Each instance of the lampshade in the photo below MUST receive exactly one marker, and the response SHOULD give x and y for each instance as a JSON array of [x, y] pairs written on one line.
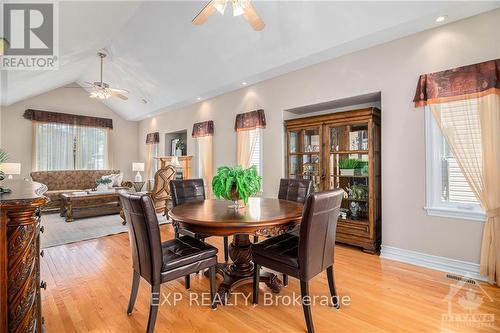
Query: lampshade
[[137, 166], [11, 168]]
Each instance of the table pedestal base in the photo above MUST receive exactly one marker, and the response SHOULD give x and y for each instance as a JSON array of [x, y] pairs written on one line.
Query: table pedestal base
[[240, 272]]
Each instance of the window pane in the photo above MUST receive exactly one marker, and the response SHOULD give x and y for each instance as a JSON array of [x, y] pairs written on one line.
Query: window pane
[[54, 144], [91, 148], [256, 155]]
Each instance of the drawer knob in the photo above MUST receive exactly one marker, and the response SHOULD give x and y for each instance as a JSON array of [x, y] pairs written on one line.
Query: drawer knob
[[42, 253], [43, 285], [42, 229]]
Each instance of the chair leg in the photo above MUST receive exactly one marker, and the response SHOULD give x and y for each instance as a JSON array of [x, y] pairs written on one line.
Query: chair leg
[[226, 249], [333, 290], [255, 239], [153, 308], [136, 278], [285, 280], [256, 281], [213, 287], [187, 281], [306, 306]]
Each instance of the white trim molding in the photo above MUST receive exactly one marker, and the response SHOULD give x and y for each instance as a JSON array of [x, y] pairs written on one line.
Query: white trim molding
[[459, 267]]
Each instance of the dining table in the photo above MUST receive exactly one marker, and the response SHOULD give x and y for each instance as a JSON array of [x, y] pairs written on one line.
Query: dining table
[[259, 217]]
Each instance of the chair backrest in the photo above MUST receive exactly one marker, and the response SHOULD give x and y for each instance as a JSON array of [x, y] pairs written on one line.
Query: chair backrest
[[294, 189], [161, 189], [186, 190], [318, 231], [144, 235]]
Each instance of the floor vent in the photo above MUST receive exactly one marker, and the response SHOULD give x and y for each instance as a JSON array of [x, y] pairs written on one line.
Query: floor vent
[[460, 278]]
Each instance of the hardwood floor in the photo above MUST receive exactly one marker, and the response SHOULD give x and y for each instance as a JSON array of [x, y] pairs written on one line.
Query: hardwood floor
[[88, 285]]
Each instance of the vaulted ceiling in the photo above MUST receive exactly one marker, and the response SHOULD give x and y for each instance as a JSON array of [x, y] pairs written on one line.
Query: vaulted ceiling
[[160, 57]]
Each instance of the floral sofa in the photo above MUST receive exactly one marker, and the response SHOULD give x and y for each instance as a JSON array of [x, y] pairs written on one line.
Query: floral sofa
[[64, 181]]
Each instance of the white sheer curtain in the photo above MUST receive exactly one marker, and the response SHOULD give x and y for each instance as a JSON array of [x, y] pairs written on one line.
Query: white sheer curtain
[[206, 171], [465, 102], [58, 146], [54, 146], [91, 151], [246, 145]]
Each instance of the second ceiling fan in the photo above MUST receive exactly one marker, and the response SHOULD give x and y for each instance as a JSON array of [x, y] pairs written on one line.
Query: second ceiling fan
[[240, 7]]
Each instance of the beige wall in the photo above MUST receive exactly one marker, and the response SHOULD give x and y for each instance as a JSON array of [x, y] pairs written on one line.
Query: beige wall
[[393, 69], [16, 131]]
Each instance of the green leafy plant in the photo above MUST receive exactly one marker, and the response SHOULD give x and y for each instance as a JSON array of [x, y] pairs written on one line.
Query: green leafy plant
[[3, 158], [103, 181], [348, 163], [230, 183], [179, 145]]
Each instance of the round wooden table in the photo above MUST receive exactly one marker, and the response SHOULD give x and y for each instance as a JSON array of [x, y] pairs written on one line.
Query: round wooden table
[[261, 216]]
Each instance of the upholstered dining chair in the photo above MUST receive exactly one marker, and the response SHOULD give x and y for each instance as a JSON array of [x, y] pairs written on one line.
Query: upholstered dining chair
[[158, 262], [292, 190], [306, 255], [161, 190], [191, 190]]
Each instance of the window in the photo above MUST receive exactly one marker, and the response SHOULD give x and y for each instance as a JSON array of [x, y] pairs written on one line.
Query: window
[[256, 152], [448, 193], [66, 147]]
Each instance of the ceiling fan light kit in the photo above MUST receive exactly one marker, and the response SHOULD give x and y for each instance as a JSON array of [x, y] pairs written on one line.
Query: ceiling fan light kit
[[240, 7]]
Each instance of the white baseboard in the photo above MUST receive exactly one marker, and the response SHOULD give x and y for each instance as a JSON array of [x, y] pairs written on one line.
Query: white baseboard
[[462, 268]]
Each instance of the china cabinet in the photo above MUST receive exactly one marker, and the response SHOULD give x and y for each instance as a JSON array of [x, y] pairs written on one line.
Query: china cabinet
[[342, 150]]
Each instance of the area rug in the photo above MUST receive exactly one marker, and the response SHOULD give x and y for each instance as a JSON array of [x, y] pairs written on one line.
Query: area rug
[[59, 232]]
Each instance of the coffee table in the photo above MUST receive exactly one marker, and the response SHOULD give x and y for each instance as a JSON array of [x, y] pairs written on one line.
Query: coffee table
[[93, 203]]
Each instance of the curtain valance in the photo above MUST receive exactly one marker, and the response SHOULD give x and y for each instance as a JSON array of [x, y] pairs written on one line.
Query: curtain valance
[[250, 120], [153, 138], [460, 83], [66, 118], [204, 128]]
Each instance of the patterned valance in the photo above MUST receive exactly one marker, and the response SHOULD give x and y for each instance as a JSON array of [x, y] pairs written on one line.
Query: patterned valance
[[205, 128], [66, 118], [152, 138], [460, 83], [250, 120]]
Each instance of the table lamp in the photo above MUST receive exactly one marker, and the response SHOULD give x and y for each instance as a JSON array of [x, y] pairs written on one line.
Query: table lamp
[[136, 166], [11, 169]]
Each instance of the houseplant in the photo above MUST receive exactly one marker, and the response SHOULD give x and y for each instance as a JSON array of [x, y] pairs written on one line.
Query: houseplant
[[236, 183], [350, 167], [3, 158], [102, 183]]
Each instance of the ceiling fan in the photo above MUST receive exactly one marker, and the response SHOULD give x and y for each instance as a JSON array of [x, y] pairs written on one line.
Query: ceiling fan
[[101, 89], [240, 7]]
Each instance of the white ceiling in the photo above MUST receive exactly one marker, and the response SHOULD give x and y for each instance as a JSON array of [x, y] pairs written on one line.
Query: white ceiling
[[158, 55]]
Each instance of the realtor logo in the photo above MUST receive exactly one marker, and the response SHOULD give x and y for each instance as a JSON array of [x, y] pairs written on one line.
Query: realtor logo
[[31, 30]]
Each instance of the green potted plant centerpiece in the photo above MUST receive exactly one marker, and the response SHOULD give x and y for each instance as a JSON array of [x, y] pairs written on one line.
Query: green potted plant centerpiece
[[350, 167], [102, 184], [236, 184]]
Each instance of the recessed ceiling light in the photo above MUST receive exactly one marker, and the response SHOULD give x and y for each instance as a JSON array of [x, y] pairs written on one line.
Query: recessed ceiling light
[[199, 98], [442, 18], [243, 83], [148, 115]]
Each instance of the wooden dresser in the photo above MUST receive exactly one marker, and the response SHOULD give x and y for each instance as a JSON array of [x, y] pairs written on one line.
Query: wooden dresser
[[20, 284]]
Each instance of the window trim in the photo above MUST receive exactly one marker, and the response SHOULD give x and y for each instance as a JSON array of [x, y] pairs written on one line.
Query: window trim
[[433, 204]]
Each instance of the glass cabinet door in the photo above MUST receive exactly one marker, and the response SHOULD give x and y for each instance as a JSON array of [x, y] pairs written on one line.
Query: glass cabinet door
[[348, 168], [304, 153]]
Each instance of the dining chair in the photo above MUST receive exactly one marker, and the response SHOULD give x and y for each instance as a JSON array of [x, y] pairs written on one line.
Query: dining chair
[[306, 255], [191, 190], [158, 262], [161, 189], [292, 190]]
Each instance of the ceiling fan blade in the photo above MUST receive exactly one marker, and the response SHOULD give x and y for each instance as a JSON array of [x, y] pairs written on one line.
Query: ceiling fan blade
[[253, 18], [119, 91], [203, 15], [119, 95]]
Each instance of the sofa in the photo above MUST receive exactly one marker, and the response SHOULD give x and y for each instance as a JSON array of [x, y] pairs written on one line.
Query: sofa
[[64, 181]]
